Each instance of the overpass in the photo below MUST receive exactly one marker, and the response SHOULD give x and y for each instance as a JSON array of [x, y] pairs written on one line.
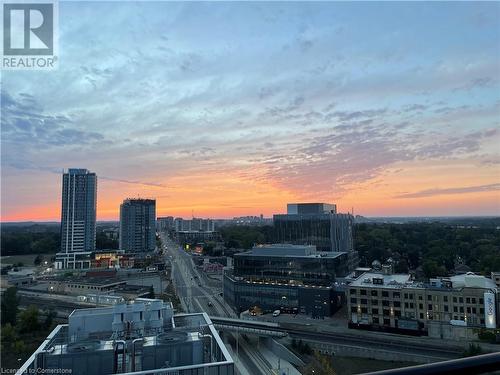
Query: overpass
[[266, 329]]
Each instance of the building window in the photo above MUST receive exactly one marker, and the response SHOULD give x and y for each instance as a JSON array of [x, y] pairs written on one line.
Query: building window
[[396, 295], [461, 299], [376, 320], [429, 307], [354, 300], [406, 305], [375, 311], [446, 308], [473, 300], [385, 293], [362, 292], [387, 322], [420, 298], [364, 310], [364, 301], [481, 301], [353, 291], [445, 298], [385, 303], [455, 299], [429, 297], [467, 300], [374, 293], [374, 302], [421, 315], [397, 304], [411, 295], [406, 295], [421, 306], [455, 309]]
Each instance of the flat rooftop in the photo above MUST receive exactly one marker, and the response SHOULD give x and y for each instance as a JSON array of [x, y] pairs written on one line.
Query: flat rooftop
[[398, 281], [166, 343], [292, 251], [393, 281]]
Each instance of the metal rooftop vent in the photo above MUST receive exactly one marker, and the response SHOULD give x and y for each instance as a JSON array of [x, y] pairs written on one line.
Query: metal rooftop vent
[[83, 346], [173, 336]]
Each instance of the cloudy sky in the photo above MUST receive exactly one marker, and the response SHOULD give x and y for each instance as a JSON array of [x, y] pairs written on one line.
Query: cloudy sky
[[225, 109]]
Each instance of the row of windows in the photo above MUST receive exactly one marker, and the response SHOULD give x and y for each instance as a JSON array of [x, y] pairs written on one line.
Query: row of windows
[[410, 305], [384, 293]]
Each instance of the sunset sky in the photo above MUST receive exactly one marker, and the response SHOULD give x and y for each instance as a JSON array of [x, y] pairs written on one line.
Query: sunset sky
[[229, 109]]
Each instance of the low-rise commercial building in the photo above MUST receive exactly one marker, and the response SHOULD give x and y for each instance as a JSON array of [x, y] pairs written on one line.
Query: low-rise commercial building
[[83, 285], [396, 303], [291, 278], [127, 338]]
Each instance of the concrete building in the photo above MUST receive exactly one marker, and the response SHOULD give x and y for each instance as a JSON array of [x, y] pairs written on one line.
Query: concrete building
[[138, 225], [291, 278], [194, 225], [142, 335], [395, 303], [317, 224], [165, 223], [78, 219]]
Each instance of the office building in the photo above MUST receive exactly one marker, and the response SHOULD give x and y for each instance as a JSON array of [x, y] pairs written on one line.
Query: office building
[[292, 278], [78, 219], [317, 224], [125, 338], [396, 303], [138, 225]]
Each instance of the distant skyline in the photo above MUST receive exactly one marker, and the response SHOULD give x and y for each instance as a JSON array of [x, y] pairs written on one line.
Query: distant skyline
[[232, 109]]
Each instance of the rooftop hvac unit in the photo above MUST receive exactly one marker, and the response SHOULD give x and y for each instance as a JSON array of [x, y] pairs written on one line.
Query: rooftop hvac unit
[[172, 337], [83, 346]]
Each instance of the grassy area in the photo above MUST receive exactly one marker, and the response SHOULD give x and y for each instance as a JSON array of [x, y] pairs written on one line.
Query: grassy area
[[27, 260], [352, 365]]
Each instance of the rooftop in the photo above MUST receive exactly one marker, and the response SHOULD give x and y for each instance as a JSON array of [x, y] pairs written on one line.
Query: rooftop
[[292, 251], [388, 281], [398, 281], [142, 335]]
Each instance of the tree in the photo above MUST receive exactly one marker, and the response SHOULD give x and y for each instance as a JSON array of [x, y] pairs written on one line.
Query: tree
[[9, 335], [9, 306], [28, 320], [38, 260], [49, 319]]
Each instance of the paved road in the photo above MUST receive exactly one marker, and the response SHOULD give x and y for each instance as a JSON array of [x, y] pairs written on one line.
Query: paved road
[[197, 296], [191, 285]]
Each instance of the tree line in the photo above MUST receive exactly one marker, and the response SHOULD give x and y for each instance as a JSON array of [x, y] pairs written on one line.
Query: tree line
[[45, 241], [434, 248]]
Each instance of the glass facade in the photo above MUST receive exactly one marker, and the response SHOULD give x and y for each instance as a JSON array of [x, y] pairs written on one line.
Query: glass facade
[[291, 278], [307, 270]]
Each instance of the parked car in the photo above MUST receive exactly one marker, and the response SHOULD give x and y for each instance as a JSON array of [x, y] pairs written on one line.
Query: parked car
[[276, 313]]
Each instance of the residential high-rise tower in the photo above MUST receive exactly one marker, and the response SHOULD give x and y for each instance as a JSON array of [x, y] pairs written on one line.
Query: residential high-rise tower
[[138, 225], [78, 218]]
